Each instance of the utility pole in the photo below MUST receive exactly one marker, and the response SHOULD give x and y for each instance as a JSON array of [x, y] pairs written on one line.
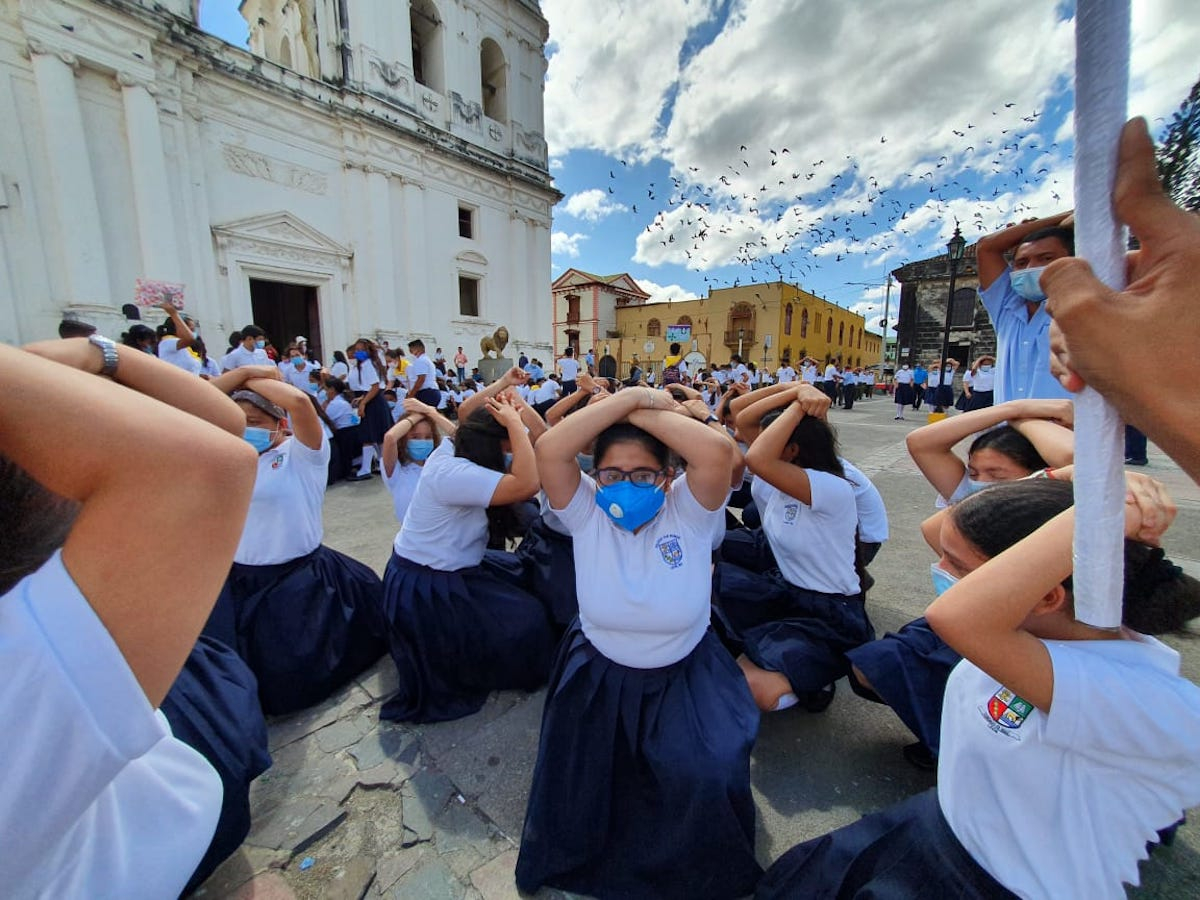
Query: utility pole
[[887, 300]]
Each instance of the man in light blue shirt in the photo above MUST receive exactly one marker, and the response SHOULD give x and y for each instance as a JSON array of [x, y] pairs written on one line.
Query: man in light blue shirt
[[1016, 304]]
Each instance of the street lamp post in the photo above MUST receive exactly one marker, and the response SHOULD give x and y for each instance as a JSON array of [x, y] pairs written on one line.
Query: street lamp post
[[955, 248], [741, 335]]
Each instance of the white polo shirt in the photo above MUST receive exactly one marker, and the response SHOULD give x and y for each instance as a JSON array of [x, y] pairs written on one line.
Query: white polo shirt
[[239, 356], [402, 484], [98, 798], [643, 598], [418, 366], [340, 412], [1062, 804], [872, 514], [284, 521], [813, 543], [569, 367], [446, 525], [785, 374], [361, 376], [168, 351]]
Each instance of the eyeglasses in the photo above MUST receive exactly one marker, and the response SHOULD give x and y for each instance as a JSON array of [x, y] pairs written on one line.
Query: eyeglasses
[[639, 477]]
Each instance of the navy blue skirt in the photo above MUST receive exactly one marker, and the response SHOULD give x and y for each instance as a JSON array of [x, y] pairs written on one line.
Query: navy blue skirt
[[904, 852], [780, 627], [642, 782], [908, 671], [305, 627], [548, 559], [748, 548], [374, 420], [981, 400], [213, 708], [904, 395], [457, 636]]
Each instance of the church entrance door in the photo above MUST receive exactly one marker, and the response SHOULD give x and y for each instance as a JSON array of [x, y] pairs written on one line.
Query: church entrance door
[[287, 311]]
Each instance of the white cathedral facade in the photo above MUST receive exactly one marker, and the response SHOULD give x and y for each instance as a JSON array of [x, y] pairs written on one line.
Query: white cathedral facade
[[371, 167]]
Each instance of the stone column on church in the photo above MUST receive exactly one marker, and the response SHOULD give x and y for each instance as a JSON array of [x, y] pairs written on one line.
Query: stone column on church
[[82, 265], [383, 271], [416, 263], [151, 192]]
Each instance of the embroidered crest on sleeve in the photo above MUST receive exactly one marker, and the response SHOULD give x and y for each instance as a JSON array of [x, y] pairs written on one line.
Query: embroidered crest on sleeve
[[671, 550], [789, 513], [1008, 710]]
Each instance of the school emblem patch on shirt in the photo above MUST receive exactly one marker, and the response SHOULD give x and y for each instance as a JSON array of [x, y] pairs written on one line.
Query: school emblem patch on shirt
[[671, 549], [1007, 709], [789, 513], [277, 461]]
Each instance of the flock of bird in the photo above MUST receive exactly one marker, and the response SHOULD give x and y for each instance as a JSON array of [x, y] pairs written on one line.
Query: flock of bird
[[787, 215]]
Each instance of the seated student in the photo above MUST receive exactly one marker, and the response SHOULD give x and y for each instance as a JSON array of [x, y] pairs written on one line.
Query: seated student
[[99, 796], [795, 624], [908, 669], [305, 618], [642, 782], [1065, 747], [406, 447], [461, 625]]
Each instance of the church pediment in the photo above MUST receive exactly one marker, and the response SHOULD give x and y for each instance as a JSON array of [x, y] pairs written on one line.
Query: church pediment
[[281, 229]]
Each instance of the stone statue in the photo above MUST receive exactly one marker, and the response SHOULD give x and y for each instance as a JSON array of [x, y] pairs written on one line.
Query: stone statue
[[497, 342]]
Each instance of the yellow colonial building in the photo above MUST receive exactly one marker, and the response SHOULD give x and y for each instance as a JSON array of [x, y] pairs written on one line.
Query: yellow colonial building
[[764, 323]]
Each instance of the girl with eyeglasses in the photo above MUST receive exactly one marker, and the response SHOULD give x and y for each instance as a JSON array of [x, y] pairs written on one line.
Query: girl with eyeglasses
[[642, 783]]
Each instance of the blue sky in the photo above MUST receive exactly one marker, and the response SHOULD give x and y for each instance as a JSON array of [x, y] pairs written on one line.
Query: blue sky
[[702, 143]]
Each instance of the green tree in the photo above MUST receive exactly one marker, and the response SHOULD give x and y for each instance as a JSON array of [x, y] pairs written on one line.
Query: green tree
[[1179, 153]]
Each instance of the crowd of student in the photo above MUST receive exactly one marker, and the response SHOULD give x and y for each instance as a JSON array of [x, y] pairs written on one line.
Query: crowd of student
[[689, 559]]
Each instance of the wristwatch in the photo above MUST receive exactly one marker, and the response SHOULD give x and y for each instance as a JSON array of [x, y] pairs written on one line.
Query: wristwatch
[[108, 350], [597, 389], [711, 419]]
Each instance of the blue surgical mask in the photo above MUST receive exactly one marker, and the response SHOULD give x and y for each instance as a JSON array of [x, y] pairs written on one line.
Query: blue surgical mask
[[258, 438], [507, 462], [1025, 283], [974, 487], [322, 395], [985, 369], [628, 505], [586, 461], [196, 335], [420, 448], [311, 388], [391, 405], [942, 580], [362, 355], [298, 362], [260, 344]]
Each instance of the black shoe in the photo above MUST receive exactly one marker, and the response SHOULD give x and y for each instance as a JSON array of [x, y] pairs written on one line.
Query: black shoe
[[1130, 461], [921, 757], [819, 700]]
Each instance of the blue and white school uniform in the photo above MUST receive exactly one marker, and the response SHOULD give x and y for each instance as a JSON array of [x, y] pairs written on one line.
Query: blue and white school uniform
[[802, 618], [375, 417], [168, 351], [642, 783], [305, 618], [213, 708], [99, 797], [460, 623], [1058, 804], [239, 356], [983, 388]]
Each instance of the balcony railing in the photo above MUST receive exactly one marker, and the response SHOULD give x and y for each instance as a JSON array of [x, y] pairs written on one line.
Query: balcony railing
[[731, 337]]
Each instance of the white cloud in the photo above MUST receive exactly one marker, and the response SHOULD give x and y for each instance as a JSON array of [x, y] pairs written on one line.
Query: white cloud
[[563, 244], [591, 205], [662, 293], [1162, 57], [611, 69]]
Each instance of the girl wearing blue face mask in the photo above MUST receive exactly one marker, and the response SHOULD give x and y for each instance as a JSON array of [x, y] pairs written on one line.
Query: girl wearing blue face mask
[[461, 623], [983, 384], [406, 447], [365, 380], [1067, 750], [305, 618], [642, 783]]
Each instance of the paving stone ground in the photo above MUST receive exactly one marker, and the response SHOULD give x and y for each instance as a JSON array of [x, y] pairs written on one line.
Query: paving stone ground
[[354, 807]]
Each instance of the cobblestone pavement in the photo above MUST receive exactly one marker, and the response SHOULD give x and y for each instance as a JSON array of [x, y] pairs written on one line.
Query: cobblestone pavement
[[353, 807]]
